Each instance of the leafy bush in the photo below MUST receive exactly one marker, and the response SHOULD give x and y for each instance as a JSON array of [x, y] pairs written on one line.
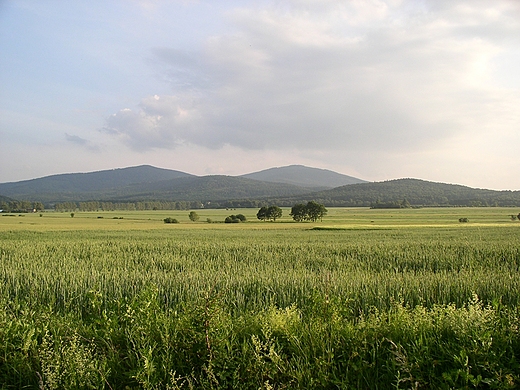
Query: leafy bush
[[232, 219], [170, 220]]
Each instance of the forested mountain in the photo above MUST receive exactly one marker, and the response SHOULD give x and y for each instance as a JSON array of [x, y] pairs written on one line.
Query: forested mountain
[[150, 183], [72, 185], [187, 188], [203, 188], [146, 183], [5, 199], [304, 177], [416, 193]]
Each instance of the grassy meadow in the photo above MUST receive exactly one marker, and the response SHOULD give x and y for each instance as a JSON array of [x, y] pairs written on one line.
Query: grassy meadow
[[370, 299]]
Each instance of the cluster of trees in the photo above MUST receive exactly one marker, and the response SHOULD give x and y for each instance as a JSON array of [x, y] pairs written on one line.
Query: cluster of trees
[[269, 213], [235, 218], [20, 206], [312, 211]]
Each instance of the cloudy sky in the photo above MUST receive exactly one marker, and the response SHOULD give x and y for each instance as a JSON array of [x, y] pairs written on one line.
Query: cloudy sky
[[376, 89]]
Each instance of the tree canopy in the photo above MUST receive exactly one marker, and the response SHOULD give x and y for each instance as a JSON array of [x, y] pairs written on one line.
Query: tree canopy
[[270, 213], [312, 211]]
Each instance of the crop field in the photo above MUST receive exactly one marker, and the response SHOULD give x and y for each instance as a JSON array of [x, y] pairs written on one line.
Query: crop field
[[369, 299]]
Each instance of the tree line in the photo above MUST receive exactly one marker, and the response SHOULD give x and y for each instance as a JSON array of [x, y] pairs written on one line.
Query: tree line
[[20, 206], [127, 206]]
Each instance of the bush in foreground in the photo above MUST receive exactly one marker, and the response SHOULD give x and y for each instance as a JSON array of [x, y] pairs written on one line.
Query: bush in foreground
[[143, 344]]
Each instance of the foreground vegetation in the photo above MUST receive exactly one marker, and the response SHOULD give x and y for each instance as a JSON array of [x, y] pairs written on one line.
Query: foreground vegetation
[[365, 299]]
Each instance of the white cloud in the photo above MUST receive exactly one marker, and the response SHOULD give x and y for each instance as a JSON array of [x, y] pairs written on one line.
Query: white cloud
[[392, 78], [160, 122]]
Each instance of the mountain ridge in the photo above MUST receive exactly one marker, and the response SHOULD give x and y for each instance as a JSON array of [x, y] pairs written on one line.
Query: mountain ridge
[[304, 176], [148, 183]]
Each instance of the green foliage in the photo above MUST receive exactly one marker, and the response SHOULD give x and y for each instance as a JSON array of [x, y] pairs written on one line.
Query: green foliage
[[271, 213], [235, 218], [170, 220], [417, 193], [19, 206], [262, 213], [298, 212], [404, 204], [312, 211], [194, 217]]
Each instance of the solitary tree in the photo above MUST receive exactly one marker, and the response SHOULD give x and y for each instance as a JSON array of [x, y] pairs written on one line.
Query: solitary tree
[[262, 213], [315, 211], [298, 212], [194, 217], [274, 212]]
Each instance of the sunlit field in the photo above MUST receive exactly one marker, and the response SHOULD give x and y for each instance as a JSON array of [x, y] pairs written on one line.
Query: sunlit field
[[408, 298], [346, 218]]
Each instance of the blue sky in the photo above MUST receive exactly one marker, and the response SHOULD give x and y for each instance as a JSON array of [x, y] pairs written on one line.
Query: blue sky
[[377, 89]]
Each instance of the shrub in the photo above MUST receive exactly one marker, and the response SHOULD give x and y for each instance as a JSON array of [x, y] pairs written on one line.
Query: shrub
[[232, 219], [170, 220], [194, 217]]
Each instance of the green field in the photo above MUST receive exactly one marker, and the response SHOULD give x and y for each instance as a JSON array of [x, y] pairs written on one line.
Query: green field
[[407, 298]]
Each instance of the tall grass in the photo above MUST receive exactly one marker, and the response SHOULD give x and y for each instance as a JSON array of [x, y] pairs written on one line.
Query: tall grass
[[395, 308]]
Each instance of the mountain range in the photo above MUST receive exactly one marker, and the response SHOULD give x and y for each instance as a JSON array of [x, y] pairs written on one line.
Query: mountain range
[[150, 183], [283, 186]]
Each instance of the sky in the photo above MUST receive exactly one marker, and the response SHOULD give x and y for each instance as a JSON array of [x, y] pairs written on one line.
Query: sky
[[375, 89]]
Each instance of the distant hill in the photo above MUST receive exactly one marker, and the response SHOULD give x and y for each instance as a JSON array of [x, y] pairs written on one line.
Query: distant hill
[[204, 188], [5, 199], [303, 176], [147, 183], [417, 193], [144, 183], [80, 186]]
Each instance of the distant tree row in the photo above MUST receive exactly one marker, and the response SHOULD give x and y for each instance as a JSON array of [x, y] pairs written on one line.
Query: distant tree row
[[21, 206], [404, 204], [128, 206]]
